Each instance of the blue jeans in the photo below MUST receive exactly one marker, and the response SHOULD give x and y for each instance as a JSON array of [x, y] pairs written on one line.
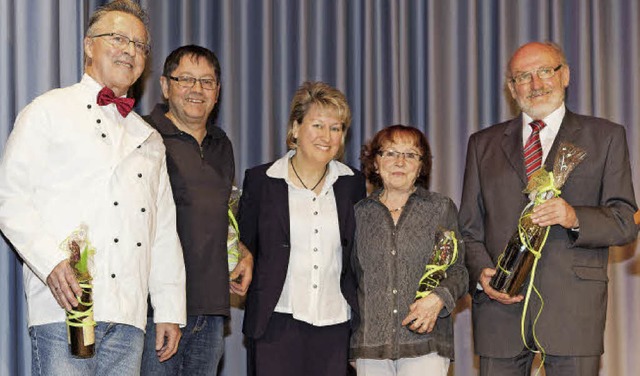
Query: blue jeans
[[199, 351], [118, 351]]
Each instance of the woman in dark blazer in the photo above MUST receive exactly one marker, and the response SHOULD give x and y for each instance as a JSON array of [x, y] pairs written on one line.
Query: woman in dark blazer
[[296, 217]]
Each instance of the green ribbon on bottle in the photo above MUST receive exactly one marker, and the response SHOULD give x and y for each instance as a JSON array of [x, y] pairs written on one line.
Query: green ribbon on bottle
[[85, 318], [431, 269], [545, 185]]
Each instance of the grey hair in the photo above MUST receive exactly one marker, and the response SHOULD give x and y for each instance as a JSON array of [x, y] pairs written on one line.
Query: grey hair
[[125, 6]]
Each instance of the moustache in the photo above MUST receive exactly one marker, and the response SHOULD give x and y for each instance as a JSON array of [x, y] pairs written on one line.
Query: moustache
[[537, 93]]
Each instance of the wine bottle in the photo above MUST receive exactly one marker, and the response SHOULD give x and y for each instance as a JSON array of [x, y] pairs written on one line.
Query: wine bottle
[[445, 253], [516, 260], [80, 328]]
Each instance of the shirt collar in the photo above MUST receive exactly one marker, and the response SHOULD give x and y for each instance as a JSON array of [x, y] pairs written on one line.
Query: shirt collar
[[92, 85], [552, 121], [420, 192], [280, 169], [167, 128]]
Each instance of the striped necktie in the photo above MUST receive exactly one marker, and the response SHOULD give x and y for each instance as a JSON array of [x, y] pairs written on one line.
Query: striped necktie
[[533, 148]]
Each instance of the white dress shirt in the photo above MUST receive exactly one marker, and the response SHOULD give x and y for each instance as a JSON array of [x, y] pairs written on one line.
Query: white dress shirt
[[311, 291], [547, 134], [69, 161]]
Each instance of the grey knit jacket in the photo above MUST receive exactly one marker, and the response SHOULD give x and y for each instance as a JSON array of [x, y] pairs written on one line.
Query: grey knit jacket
[[389, 261]]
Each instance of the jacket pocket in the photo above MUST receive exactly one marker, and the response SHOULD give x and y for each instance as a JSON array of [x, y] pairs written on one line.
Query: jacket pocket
[[479, 297], [591, 273]]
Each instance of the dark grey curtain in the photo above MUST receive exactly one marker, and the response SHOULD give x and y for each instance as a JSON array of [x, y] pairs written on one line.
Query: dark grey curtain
[[434, 64]]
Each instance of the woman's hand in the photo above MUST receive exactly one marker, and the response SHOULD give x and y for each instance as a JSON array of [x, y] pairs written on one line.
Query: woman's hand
[[423, 314]]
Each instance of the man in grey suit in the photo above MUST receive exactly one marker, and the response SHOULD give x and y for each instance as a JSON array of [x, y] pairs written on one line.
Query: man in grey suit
[[594, 211]]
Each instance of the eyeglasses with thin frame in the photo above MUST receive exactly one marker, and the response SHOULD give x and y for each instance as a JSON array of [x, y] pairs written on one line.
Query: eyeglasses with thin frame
[[120, 41], [542, 73], [392, 154], [188, 82]]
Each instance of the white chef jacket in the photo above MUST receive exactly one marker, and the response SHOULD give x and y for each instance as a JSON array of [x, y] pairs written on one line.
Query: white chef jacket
[[68, 162]]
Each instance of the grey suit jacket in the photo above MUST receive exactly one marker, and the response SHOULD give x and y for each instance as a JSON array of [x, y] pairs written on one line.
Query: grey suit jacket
[[572, 272]]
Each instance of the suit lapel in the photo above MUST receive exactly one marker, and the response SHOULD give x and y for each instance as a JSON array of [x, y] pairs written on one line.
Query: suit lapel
[[512, 147], [512, 143], [569, 130], [342, 204], [280, 197]]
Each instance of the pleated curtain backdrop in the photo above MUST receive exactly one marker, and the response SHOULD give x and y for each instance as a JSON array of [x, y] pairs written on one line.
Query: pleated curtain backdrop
[[435, 64]]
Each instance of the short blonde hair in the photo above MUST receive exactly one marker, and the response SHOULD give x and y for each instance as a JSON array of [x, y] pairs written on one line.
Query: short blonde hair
[[324, 96]]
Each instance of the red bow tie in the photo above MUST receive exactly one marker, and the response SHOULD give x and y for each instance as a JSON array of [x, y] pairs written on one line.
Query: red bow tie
[[124, 105]]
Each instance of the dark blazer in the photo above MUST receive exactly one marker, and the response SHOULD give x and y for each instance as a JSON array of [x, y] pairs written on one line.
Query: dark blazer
[[572, 272], [264, 224]]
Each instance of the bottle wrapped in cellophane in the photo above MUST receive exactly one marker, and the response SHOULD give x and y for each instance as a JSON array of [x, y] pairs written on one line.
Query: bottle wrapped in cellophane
[[445, 253], [80, 323], [525, 245], [233, 235]]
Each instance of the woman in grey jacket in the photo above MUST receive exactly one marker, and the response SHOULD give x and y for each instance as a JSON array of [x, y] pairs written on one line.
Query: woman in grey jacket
[[395, 231]]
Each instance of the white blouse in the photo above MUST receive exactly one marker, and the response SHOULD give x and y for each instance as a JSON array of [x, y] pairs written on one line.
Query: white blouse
[[311, 291]]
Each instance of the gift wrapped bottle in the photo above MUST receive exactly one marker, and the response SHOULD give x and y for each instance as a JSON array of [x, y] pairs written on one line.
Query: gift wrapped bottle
[[517, 259], [445, 253], [80, 324], [233, 234], [80, 328]]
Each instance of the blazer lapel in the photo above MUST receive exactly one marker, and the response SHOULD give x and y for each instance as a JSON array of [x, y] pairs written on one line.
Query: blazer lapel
[[280, 197], [342, 205], [512, 147], [569, 130]]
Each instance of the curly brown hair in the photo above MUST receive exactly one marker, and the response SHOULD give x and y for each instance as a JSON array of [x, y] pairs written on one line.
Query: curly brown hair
[[389, 135]]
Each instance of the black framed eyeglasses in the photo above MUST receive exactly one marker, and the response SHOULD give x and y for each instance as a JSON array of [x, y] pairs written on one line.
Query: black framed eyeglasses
[[121, 41], [188, 82]]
